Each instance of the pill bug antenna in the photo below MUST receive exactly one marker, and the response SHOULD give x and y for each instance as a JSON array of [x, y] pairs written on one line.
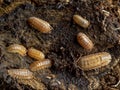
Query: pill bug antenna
[[75, 62], [51, 28], [115, 62]]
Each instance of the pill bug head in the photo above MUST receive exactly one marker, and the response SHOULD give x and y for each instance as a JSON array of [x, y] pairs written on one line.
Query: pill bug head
[[106, 58]]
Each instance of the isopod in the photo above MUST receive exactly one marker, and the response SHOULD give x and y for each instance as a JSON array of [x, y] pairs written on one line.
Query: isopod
[[40, 24], [10, 7], [36, 54], [81, 21], [94, 61], [20, 73], [84, 41], [16, 48], [39, 65]]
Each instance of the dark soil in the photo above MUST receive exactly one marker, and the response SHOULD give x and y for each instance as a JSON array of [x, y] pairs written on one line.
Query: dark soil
[[61, 45]]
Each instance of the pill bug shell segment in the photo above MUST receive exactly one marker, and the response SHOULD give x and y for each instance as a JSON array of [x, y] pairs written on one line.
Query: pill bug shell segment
[[20, 73], [81, 21], [84, 41], [36, 54], [16, 48], [40, 24], [94, 61], [39, 65]]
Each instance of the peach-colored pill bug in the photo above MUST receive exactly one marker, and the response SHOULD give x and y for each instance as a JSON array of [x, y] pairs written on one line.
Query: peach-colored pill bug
[[16, 48], [40, 24], [39, 65], [20, 73], [94, 61], [36, 54], [84, 41], [81, 21]]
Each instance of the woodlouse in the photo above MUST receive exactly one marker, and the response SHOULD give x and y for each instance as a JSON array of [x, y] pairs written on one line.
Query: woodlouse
[[16, 48], [40, 24], [10, 7], [36, 54], [84, 41], [81, 21], [38, 65], [20, 73], [94, 61]]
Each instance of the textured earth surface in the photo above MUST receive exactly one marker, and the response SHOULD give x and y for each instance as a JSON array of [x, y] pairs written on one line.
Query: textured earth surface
[[60, 45]]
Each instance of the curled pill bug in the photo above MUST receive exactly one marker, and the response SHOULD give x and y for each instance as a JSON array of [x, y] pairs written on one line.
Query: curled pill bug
[[81, 21], [84, 41], [36, 54], [39, 65], [20, 73], [16, 48], [94, 61], [40, 24]]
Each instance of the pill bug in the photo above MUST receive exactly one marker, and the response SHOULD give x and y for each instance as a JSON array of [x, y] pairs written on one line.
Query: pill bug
[[84, 41], [40, 24], [94, 61], [81, 21], [20, 73], [16, 48], [36, 54], [10, 7], [39, 65]]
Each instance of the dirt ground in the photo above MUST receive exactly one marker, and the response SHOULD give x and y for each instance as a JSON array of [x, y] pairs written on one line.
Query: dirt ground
[[60, 45]]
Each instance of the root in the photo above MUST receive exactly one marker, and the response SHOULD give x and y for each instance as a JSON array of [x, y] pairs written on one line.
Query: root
[[106, 14], [116, 85], [103, 23], [115, 29]]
